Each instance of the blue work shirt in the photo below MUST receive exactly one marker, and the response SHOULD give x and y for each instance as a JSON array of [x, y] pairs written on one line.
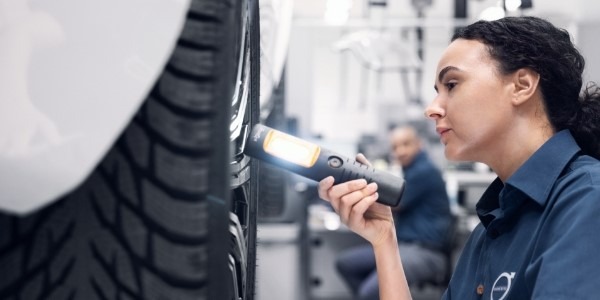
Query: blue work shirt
[[424, 214], [539, 235]]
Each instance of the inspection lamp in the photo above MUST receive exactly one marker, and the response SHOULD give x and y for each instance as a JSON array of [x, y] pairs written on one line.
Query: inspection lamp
[[316, 163]]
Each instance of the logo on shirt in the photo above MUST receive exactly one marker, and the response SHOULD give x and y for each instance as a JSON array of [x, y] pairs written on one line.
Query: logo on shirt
[[502, 286]]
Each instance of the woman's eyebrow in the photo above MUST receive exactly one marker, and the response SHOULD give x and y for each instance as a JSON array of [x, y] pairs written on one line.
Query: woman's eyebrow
[[443, 73], [446, 70]]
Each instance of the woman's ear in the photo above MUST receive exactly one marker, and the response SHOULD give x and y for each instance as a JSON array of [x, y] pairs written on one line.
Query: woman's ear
[[526, 82]]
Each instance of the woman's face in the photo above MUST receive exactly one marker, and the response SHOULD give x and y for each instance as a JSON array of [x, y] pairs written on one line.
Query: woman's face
[[472, 109]]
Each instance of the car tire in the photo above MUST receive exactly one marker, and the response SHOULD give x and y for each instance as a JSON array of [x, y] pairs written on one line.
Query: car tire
[[170, 211]]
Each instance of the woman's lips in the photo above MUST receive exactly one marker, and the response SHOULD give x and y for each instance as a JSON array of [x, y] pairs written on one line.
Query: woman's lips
[[443, 132]]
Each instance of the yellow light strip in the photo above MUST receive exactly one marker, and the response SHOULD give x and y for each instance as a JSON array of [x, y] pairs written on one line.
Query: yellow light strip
[[291, 149]]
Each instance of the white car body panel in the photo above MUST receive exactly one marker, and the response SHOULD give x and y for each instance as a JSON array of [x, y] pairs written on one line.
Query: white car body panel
[[275, 27], [72, 75]]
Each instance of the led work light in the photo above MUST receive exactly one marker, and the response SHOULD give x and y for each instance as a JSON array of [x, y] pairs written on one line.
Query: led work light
[[316, 163]]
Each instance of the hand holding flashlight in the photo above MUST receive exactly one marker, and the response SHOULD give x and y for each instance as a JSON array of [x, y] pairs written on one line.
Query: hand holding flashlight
[[353, 192], [317, 163], [354, 201]]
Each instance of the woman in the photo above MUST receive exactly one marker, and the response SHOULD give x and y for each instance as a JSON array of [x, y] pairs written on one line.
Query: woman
[[508, 96]]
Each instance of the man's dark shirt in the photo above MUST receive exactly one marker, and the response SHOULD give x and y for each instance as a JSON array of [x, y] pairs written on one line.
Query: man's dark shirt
[[424, 215]]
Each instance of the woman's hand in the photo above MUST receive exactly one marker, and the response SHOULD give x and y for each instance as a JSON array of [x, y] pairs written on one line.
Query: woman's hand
[[354, 202]]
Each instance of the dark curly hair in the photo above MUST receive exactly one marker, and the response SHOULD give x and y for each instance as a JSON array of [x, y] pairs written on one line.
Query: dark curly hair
[[531, 42]]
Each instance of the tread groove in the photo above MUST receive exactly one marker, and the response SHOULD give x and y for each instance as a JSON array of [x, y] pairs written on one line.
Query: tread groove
[[177, 195], [157, 96], [189, 135], [110, 269], [196, 96], [25, 238], [53, 251], [185, 75], [148, 222], [121, 287], [195, 45], [205, 18], [50, 286], [99, 291]]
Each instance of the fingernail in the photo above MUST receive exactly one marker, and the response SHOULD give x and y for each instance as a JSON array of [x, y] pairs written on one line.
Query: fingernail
[[373, 185]]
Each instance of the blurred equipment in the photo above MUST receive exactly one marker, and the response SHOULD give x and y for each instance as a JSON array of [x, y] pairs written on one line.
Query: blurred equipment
[[326, 238], [381, 49]]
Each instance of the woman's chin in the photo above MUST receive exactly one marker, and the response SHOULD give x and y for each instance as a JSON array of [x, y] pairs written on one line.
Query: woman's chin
[[453, 155]]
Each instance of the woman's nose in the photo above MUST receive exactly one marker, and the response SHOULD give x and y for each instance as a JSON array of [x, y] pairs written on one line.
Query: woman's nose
[[434, 111]]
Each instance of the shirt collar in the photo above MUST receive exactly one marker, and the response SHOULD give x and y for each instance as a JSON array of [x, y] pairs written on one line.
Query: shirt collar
[[534, 179], [537, 175]]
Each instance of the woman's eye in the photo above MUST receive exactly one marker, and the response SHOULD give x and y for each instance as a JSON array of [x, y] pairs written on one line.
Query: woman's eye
[[450, 85]]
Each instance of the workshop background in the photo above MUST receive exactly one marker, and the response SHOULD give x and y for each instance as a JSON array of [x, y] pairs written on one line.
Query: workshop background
[[354, 68]]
